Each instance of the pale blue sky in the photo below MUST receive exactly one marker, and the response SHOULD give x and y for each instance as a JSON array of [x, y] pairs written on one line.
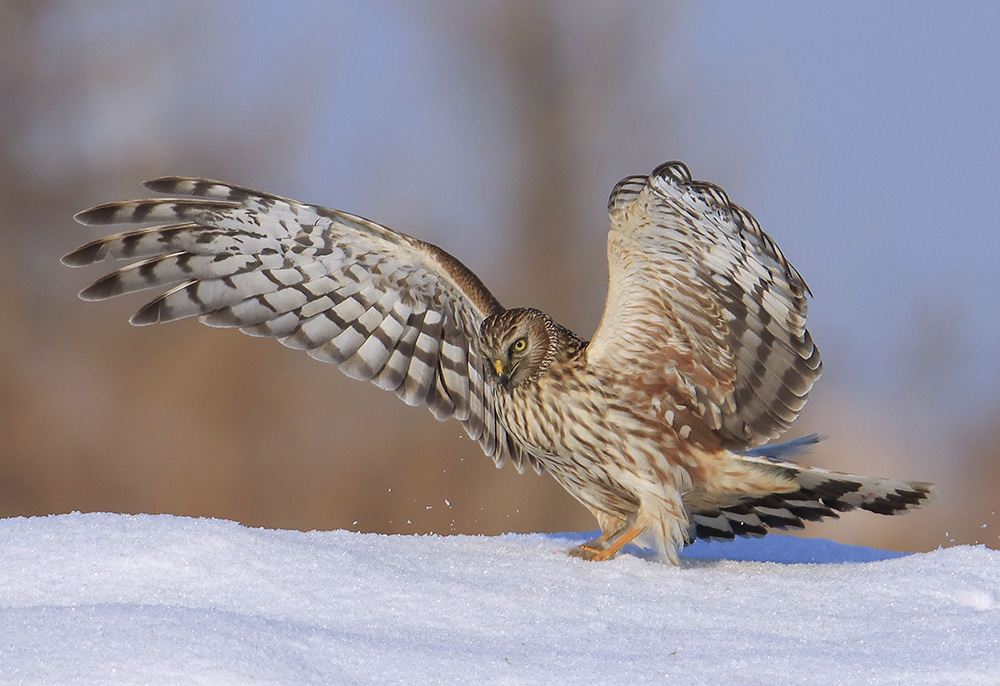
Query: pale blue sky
[[863, 136]]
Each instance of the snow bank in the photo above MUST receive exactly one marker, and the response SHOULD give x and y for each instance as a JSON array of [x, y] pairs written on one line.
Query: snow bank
[[114, 599]]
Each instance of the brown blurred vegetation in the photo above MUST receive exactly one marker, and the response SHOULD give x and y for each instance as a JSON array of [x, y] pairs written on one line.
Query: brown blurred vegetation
[[98, 415]]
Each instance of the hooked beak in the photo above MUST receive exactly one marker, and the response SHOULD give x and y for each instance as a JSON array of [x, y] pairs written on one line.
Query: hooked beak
[[503, 377]]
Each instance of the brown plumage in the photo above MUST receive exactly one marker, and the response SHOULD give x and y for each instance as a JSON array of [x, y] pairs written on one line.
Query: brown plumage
[[658, 425]]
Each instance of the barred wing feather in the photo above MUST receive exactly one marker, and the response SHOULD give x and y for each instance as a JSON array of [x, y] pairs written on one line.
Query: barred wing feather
[[385, 307], [701, 300]]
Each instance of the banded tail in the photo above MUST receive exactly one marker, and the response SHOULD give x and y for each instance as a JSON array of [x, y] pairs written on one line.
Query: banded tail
[[822, 494]]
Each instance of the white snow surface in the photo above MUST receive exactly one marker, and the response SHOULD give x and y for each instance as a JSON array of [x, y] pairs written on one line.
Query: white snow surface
[[157, 599]]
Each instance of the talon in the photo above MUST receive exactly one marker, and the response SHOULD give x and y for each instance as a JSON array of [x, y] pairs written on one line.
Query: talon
[[599, 549], [585, 552]]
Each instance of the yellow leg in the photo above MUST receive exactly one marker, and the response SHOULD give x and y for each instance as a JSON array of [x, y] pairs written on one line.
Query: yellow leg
[[599, 549]]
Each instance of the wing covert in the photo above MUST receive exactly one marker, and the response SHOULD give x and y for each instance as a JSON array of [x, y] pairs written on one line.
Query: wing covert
[[700, 299], [383, 306]]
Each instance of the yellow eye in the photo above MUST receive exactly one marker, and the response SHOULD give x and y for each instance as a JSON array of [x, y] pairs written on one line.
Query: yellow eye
[[519, 345]]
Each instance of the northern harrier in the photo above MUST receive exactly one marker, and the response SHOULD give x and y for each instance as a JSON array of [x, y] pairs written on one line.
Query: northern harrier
[[658, 424]]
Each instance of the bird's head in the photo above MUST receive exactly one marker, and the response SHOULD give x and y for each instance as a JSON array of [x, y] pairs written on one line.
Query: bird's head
[[518, 344]]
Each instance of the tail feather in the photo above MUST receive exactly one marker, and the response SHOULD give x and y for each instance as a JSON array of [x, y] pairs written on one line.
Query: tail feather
[[821, 494]]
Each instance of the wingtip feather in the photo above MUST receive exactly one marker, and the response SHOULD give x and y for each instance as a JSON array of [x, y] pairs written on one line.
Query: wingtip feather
[[149, 314], [98, 215], [81, 257]]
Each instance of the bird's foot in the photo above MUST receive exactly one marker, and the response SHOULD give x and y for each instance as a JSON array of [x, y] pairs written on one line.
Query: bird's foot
[[605, 547], [595, 551]]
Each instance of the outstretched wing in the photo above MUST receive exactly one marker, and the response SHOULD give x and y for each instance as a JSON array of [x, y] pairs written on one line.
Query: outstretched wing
[[383, 306], [701, 301]]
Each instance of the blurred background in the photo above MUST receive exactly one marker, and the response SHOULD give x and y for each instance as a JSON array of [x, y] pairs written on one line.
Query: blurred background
[[864, 137]]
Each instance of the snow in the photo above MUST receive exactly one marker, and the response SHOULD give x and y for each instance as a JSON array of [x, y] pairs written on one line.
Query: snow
[[122, 599]]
